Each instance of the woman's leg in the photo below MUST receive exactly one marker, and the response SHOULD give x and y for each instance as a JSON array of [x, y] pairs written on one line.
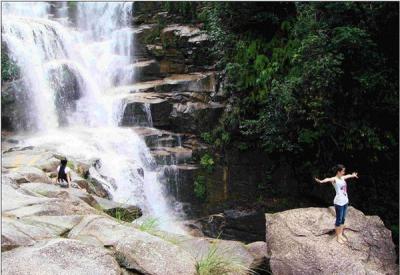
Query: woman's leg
[[339, 216], [344, 238]]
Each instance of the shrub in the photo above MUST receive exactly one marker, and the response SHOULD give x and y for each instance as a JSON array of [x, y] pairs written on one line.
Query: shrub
[[216, 262], [207, 162], [149, 225], [200, 189]]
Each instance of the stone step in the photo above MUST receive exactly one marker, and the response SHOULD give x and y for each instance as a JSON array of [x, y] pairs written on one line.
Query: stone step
[[194, 82], [178, 48], [172, 155], [156, 137], [170, 148], [146, 70], [182, 112], [140, 71]]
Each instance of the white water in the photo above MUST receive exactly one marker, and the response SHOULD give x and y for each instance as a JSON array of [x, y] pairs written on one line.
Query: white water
[[100, 44]]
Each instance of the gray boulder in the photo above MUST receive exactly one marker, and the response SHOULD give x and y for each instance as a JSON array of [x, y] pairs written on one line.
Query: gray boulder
[[59, 256], [17, 204], [302, 241], [134, 249]]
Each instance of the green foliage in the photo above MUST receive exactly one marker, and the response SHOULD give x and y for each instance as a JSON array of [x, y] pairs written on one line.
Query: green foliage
[[154, 35], [292, 91], [72, 4], [122, 215], [319, 86], [9, 68], [207, 137], [242, 146], [216, 261], [200, 189], [71, 165], [186, 9], [149, 225], [207, 162]]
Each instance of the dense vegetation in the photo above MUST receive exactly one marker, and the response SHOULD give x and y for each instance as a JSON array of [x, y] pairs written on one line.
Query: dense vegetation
[[9, 69], [314, 82]]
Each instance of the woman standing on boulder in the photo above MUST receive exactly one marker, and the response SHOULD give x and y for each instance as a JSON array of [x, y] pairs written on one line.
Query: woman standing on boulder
[[341, 200]]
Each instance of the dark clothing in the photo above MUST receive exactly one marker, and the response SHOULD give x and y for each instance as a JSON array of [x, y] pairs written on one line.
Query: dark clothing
[[62, 176]]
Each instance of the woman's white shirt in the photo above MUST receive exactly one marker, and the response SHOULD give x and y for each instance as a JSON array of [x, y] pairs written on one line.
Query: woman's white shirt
[[66, 170], [341, 192]]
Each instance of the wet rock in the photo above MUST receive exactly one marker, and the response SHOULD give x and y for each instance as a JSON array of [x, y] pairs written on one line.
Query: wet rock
[[193, 82], [171, 155], [121, 211], [59, 256], [97, 186], [147, 70], [17, 157], [195, 117], [146, 111], [65, 81], [15, 106], [242, 225], [180, 182], [156, 137], [302, 241]]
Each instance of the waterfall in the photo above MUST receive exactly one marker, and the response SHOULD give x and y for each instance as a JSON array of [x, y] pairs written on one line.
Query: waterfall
[[68, 65]]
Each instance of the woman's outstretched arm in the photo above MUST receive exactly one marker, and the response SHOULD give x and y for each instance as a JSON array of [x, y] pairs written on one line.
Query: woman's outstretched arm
[[331, 180], [353, 175]]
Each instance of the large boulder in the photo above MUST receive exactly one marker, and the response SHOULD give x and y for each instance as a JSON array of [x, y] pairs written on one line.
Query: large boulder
[[28, 174], [12, 199], [55, 191], [28, 230], [19, 157], [59, 256], [134, 249], [17, 203], [302, 241]]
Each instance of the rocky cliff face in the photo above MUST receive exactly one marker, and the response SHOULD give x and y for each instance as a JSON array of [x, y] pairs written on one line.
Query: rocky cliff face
[[179, 94]]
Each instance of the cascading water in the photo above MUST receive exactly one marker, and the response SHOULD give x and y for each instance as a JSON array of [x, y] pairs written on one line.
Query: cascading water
[[67, 67]]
